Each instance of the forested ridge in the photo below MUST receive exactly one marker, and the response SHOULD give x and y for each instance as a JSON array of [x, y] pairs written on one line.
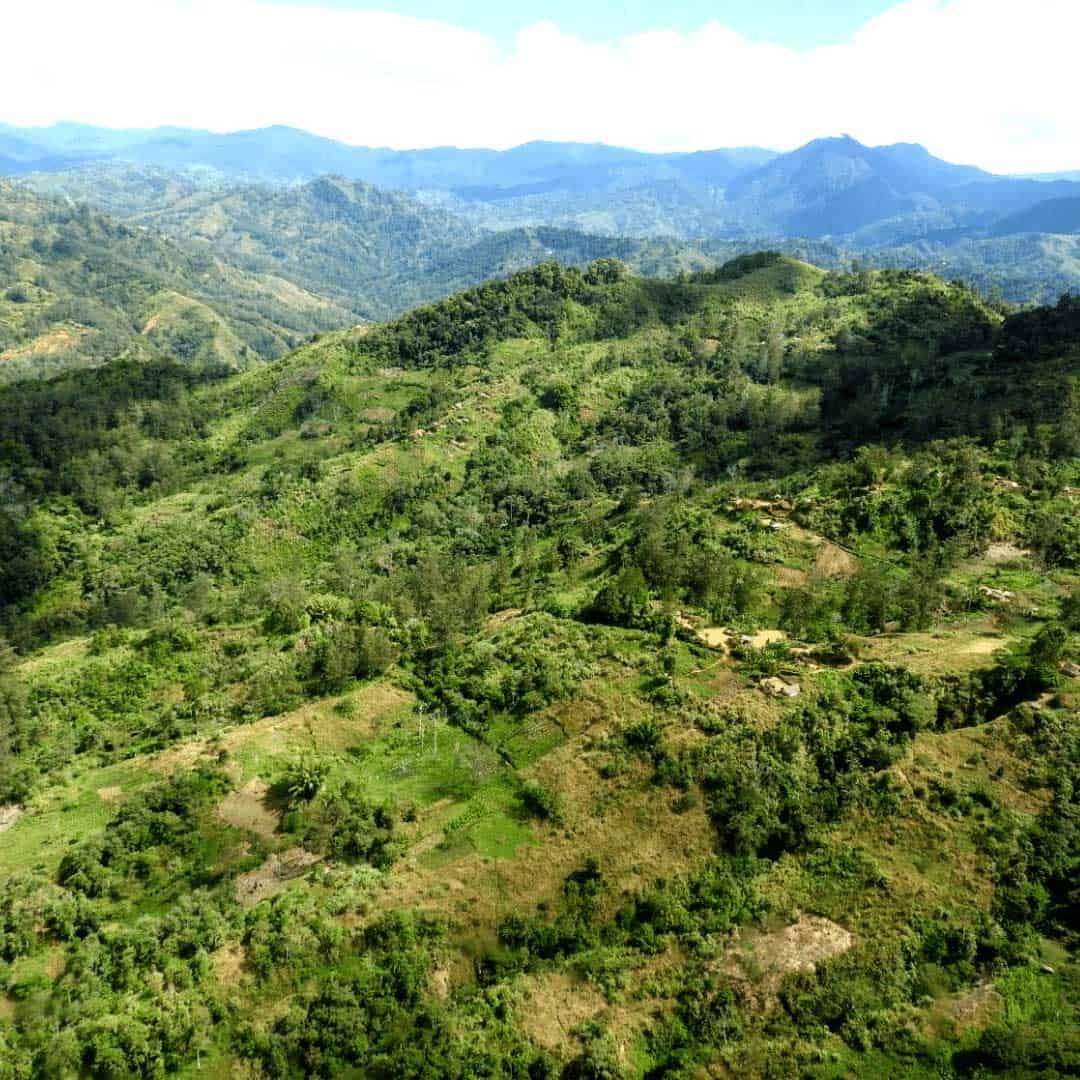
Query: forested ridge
[[79, 288], [583, 676]]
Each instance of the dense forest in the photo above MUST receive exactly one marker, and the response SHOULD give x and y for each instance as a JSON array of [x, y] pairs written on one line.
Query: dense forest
[[584, 676]]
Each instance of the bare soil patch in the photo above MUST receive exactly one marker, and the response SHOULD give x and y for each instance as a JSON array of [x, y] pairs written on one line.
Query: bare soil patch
[[763, 959], [501, 618], [937, 651], [67, 650], [229, 963], [9, 815], [53, 341], [790, 577], [974, 1008], [723, 637], [250, 808], [315, 721], [834, 561], [55, 963], [1005, 552], [980, 647], [553, 1005], [716, 637], [977, 1007], [636, 836]]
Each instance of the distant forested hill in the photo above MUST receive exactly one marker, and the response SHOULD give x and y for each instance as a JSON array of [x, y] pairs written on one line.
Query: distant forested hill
[[1051, 216], [79, 287]]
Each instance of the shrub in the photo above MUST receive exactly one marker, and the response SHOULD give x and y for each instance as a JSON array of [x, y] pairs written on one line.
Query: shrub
[[303, 778], [644, 735], [540, 801], [624, 601], [375, 652], [559, 395], [284, 603], [1070, 610], [345, 824]]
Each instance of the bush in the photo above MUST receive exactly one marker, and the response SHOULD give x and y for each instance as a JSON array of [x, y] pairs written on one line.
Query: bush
[[335, 657], [559, 395], [284, 603], [303, 778], [1070, 610], [540, 801], [274, 688], [164, 822], [624, 601], [645, 735], [375, 652], [345, 824]]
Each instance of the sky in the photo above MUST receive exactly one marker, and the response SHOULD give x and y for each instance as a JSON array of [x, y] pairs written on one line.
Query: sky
[[797, 23], [985, 82]]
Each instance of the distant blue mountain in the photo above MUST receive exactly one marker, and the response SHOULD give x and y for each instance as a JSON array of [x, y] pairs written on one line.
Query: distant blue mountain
[[284, 154], [834, 188], [1071, 175], [1051, 216], [838, 187]]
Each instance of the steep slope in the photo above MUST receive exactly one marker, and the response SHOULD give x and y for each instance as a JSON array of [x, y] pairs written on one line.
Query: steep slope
[[1073, 175], [1023, 268], [538, 183], [543, 685], [79, 288], [832, 186], [896, 205]]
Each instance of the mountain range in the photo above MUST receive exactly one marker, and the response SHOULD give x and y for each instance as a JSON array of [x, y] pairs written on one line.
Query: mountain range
[[235, 274], [833, 187], [284, 155], [270, 236]]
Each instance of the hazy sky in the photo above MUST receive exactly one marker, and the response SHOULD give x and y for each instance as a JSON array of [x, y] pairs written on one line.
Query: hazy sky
[[990, 82], [798, 23]]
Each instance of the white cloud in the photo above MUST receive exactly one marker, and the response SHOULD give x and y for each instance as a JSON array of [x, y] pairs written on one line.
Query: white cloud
[[984, 81]]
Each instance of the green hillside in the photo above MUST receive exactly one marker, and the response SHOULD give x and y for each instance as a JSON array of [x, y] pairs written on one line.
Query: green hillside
[[78, 288], [1032, 268], [340, 238], [584, 676]]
